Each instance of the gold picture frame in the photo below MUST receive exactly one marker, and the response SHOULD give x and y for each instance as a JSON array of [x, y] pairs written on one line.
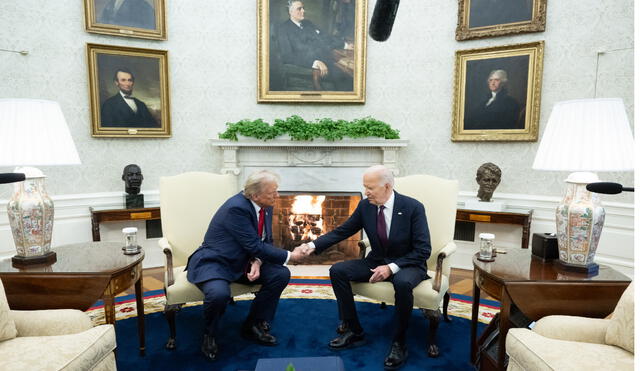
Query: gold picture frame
[[129, 91], [133, 18], [488, 18], [497, 93], [333, 71]]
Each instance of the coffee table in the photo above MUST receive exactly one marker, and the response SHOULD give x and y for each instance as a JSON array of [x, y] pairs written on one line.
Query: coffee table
[[82, 274]]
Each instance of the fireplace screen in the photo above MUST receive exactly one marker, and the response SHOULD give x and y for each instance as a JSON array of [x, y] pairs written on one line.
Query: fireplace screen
[[300, 217]]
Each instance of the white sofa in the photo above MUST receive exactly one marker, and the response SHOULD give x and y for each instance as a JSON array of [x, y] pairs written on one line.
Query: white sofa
[[576, 343], [60, 339]]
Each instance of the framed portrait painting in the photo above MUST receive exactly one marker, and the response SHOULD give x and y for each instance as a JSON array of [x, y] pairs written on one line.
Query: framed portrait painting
[[311, 51], [497, 93], [129, 91], [130, 18], [488, 18]]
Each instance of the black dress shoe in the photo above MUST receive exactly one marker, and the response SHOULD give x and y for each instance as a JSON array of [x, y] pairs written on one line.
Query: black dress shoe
[[342, 327], [259, 332], [397, 356], [209, 347], [347, 339]]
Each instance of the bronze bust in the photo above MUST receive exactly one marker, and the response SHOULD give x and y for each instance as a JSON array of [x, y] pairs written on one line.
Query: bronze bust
[[132, 176], [488, 177]]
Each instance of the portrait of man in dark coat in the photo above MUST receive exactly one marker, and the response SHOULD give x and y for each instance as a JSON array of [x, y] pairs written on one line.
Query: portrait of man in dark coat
[[129, 13], [498, 110], [123, 109]]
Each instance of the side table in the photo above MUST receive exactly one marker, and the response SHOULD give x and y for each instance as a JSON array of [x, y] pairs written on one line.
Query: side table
[[82, 274], [99, 215], [510, 216], [538, 289]]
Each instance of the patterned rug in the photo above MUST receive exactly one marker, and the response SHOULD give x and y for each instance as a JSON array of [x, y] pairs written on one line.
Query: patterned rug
[[298, 288]]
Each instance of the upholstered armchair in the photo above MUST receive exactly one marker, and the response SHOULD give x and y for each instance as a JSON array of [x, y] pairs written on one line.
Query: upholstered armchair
[[187, 204], [576, 343], [57, 339], [439, 197]]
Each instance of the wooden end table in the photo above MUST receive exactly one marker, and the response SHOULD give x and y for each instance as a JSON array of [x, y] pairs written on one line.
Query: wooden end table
[[538, 289], [510, 216], [110, 214], [82, 274]]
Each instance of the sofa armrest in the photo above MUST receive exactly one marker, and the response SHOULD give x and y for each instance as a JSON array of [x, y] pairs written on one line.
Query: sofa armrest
[[573, 328], [168, 261], [50, 322]]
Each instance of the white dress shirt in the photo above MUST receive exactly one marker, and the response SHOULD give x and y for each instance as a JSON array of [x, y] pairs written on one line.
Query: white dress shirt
[[130, 102]]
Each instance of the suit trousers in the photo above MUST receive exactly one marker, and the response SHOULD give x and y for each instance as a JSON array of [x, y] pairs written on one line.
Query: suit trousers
[[273, 278], [360, 271]]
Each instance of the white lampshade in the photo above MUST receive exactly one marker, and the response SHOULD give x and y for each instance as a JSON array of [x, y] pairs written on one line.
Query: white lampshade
[[34, 132], [586, 135]]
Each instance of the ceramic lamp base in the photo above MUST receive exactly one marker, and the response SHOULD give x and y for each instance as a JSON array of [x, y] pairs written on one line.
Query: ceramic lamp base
[[590, 269], [47, 258]]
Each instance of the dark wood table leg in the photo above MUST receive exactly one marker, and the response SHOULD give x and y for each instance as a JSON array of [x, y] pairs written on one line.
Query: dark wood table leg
[[505, 314], [140, 310], [526, 228], [109, 309], [474, 317], [95, 227]]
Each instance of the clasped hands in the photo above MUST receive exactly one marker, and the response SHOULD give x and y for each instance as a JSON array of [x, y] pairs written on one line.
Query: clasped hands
[[300, 253]]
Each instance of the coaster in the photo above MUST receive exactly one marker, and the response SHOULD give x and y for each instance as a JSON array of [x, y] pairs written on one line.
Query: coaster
[[132, 253]]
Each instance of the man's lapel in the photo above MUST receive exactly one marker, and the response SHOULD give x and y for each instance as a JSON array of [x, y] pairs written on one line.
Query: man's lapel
[[398, 217]]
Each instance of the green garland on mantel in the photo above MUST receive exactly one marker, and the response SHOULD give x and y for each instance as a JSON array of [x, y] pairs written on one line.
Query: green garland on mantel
[[299, 129]]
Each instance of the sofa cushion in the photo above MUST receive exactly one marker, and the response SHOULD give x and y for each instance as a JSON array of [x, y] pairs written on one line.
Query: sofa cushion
[[7, 326], [620, 330], [80, 351]]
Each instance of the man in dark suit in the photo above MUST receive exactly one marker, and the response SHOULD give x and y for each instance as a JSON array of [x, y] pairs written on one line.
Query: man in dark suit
[[400, 246], [124, 110], [498, 110], [303, 44], [238, 248], [130, 13]]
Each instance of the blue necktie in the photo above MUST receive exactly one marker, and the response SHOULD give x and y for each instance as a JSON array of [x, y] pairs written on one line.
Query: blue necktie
[[381, 227]]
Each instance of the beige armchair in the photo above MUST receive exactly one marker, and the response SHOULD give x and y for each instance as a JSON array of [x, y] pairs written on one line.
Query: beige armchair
[[576, 343], [57, 339], [439, 197], [187, 204]]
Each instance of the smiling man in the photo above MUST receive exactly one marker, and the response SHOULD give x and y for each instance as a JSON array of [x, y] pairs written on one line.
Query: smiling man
[[123, 109], [400, 245]]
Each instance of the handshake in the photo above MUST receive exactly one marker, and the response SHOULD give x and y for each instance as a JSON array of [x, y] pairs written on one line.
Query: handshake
[[300, 253]]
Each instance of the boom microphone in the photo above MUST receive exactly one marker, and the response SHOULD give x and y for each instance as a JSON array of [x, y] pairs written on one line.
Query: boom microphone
[[382, 20], [11, 177], [608, 188]]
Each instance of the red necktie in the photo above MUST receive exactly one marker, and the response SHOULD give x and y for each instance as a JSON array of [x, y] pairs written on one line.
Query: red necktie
[[261, 223]]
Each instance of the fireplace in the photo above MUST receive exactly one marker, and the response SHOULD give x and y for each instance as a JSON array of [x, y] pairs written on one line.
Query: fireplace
[[300, 217]]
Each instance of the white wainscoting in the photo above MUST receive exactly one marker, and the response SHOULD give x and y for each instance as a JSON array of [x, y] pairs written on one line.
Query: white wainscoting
[[73, 224]]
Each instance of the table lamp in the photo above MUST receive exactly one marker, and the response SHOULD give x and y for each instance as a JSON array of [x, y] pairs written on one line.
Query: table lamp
[[33, 132], [583, 136]]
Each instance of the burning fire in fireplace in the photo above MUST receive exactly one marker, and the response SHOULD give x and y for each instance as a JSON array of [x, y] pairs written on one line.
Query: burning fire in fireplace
[[305, 221]]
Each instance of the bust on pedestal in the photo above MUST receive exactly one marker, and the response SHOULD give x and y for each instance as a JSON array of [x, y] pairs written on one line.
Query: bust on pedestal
[[488, 177], [132, 176]]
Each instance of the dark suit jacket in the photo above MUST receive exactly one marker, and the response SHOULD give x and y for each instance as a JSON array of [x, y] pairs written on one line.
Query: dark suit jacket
[[409, 241], [502, 113], [132, 13], [231, 241], [115, 112], [303, 46]]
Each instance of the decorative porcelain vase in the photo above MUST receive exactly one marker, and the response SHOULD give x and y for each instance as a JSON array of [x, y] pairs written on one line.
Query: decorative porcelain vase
[[30, 212], [579, 222]]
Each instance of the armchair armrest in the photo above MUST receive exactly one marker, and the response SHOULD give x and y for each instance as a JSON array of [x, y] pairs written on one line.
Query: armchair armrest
[[446, 251], [363, 245], [50, 322], [573, 328], [168, 261]]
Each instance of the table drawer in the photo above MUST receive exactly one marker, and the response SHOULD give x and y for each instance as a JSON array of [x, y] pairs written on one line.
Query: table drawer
[[489, 285], [124, 280]]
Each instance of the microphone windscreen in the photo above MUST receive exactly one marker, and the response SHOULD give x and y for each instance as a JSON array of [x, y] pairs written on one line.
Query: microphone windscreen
[[11, 177], [382, 20], [605, 187]]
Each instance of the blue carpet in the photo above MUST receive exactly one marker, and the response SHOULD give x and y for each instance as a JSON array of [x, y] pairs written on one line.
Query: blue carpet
[[303, 328]]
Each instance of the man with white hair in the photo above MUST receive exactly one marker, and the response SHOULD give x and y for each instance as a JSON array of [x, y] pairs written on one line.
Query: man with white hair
[[238, 247], [400, 245], [498, 110]]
